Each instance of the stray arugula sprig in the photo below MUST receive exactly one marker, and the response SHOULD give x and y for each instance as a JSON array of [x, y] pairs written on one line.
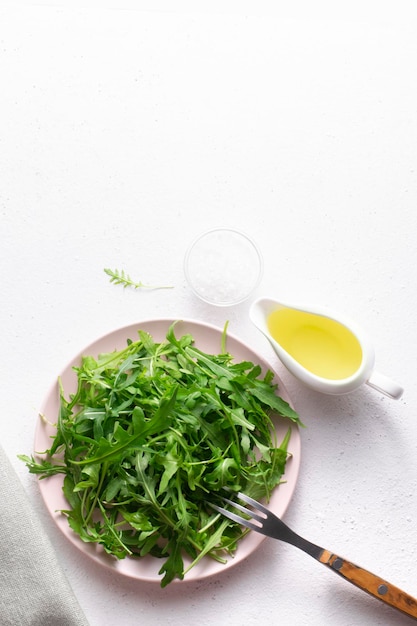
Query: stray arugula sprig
[[153, 432], [121, 278]]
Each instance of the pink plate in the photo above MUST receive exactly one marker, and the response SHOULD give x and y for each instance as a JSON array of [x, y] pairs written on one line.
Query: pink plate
[[208, 339]]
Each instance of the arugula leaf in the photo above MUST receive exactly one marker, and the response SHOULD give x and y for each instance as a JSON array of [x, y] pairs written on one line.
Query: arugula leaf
[[151, 434], [122, 278]]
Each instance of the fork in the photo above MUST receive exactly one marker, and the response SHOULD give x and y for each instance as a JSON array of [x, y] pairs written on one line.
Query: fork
[[262, 520]]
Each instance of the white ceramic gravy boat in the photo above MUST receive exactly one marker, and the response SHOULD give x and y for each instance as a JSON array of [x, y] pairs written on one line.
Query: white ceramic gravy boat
[[327, 352]]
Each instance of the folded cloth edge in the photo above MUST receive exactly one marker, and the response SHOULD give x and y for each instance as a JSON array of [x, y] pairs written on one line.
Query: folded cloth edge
[[34, 590]]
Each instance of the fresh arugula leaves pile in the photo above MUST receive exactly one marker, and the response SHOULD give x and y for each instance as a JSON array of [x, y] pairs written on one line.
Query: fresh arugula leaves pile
[[153, 433]]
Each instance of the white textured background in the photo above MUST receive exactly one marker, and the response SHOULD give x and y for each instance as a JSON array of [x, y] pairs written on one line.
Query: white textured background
[[129, 128]]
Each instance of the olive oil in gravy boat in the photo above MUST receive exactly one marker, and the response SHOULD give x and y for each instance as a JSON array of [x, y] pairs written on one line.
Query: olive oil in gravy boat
[[326, 351]]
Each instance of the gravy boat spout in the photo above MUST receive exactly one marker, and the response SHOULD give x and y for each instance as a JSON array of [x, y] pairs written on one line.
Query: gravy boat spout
[[324, 350]]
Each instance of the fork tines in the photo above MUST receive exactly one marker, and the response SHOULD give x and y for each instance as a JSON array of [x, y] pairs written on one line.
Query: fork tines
[[255, 521]]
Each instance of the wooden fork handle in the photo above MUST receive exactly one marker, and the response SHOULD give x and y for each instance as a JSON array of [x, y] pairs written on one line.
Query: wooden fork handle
[[377, 587]]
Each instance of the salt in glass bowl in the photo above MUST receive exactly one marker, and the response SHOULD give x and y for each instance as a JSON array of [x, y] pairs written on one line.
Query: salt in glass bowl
[[223, 266]]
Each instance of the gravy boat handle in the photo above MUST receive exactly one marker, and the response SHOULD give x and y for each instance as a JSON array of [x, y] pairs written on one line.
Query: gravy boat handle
[[385, 385]]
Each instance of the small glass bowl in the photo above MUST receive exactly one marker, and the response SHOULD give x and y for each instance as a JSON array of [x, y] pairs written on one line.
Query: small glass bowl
[[223, 266]]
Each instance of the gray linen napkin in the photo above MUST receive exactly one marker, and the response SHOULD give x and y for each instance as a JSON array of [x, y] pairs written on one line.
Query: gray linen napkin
[[33, 588]]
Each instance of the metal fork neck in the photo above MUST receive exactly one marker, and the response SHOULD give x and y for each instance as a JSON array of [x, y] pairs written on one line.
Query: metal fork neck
[[289, 536]]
